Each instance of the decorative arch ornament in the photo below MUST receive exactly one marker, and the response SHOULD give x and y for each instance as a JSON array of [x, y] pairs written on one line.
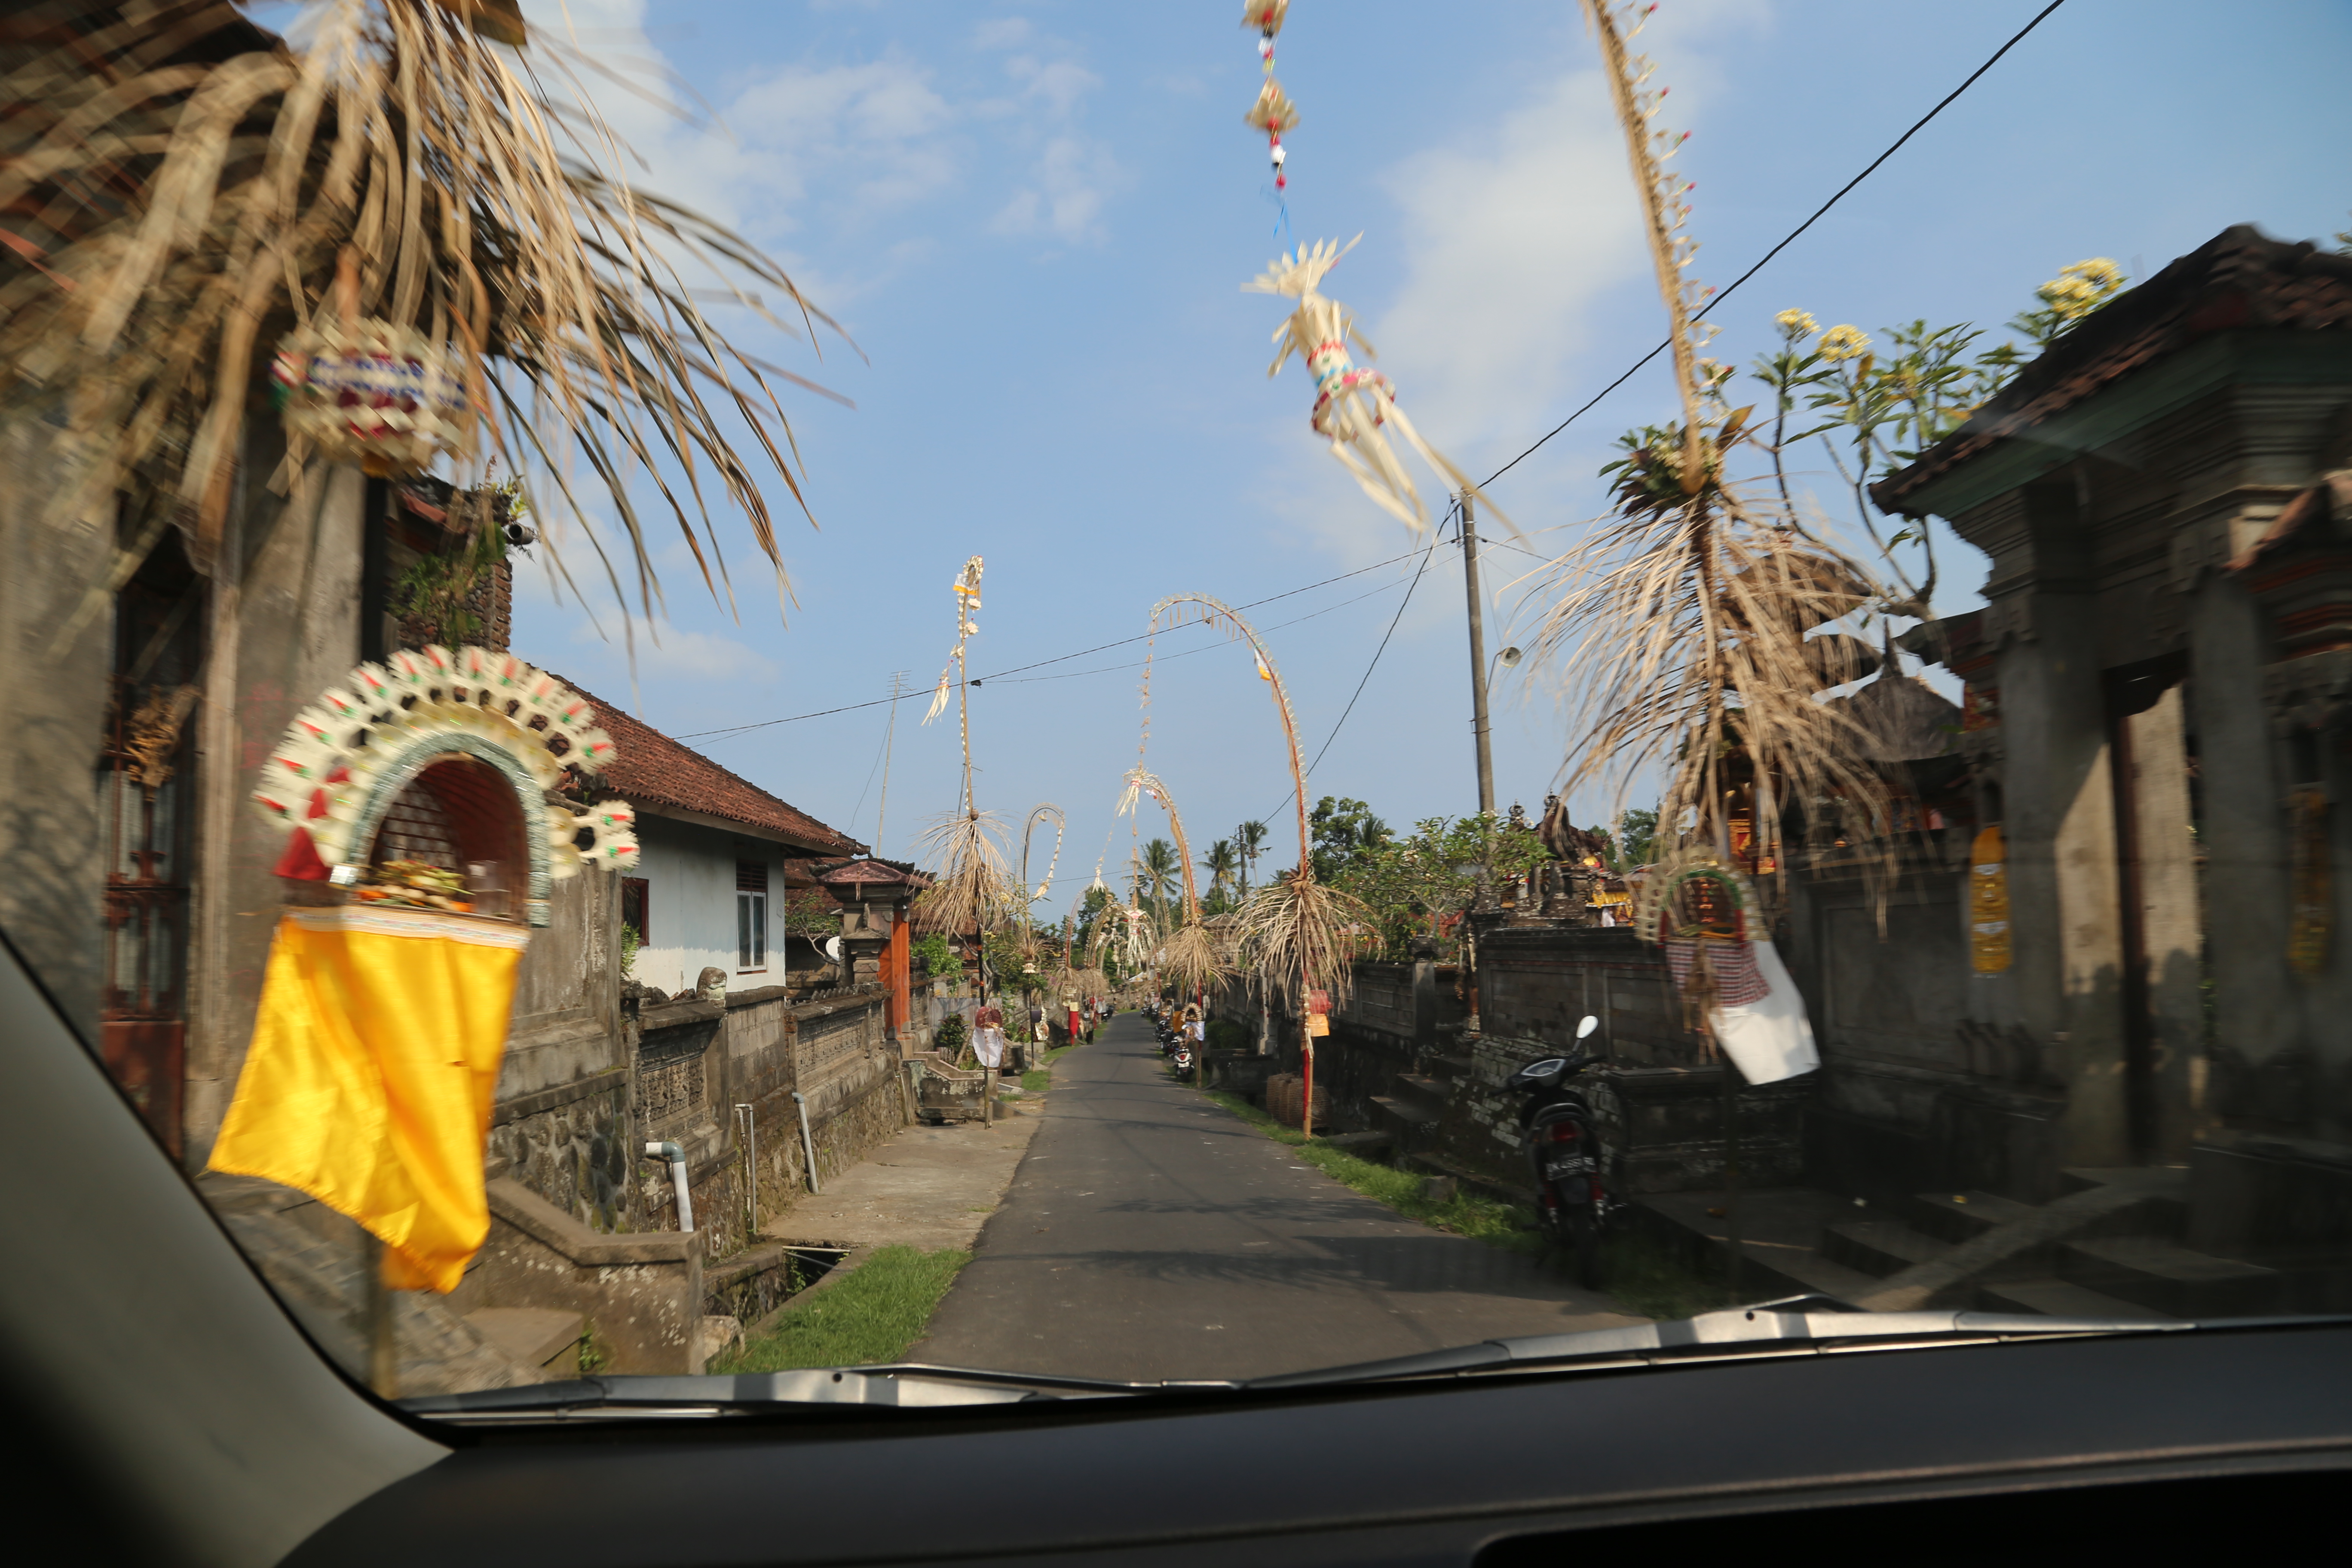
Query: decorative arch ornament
[[345, 758]]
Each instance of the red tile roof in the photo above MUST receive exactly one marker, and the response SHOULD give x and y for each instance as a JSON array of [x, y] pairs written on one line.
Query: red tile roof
[[653, 769], [2239, 280], [873, 870]]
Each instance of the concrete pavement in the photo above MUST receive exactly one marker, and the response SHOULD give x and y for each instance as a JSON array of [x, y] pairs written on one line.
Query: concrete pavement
[[924, 1186], [1151, 1234]]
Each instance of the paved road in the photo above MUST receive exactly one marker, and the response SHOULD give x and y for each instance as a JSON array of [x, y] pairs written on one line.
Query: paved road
[[1150, 1234]]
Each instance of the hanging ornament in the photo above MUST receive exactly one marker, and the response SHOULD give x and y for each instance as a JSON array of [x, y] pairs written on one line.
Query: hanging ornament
[[1351, 403], [366, 392], [1274, 113], [967, 592]]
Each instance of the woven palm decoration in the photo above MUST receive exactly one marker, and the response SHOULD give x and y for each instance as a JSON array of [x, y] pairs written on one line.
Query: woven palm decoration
[[329, 771]]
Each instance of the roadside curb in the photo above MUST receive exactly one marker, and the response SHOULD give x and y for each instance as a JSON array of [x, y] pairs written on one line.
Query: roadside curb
[[850, 1262]]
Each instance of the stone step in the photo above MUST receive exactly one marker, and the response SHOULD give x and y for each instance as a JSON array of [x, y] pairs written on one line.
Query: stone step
[[1412, 1125], [1453, 1069], [2063, 1299], [544, 1337], [1434, 1091], [1878, 1246], [2168, 1278], [1956, 1217], [2163, 1208]]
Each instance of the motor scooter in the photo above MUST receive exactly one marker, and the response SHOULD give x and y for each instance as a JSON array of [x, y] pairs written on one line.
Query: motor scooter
[[1181, 1059], [1574, 1205]]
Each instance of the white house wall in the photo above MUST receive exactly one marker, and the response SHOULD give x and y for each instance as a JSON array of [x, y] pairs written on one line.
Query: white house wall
[[690, 873]]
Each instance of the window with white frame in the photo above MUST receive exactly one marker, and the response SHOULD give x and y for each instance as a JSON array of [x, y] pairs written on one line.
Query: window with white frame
[[750, 914]]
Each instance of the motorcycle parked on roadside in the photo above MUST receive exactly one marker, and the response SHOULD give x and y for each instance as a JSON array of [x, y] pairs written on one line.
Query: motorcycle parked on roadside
[[1181, 1059], [1574, 1203]]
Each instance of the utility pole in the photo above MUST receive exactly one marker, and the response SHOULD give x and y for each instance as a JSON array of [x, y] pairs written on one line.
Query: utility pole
[[1477, 658], [882, 813]]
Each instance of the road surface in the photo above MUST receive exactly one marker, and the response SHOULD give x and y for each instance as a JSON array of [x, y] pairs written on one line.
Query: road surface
[[1151, 1234]]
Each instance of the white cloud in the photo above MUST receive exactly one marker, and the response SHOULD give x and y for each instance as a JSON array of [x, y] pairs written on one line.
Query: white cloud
[[1515, 236], [1059, 83], [1072, 178], [1001, 33], [682, 655]]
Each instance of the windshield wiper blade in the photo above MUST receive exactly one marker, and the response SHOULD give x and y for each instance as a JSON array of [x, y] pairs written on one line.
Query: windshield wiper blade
[[904, 1385], [1820, 1321]]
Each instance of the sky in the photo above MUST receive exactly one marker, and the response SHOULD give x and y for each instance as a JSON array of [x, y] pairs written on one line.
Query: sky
[[1033, 220]]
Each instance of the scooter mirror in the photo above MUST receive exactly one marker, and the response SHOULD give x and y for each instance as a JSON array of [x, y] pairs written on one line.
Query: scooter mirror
[[1584, 1030]]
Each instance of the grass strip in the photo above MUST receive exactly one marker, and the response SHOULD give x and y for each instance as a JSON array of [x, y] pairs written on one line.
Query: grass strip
[[1648, 1277], [871, 1315], [1039, 1078], [1511, 1227]]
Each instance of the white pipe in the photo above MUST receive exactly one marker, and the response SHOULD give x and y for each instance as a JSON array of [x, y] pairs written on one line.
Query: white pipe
[[808, 1149], [750, 1118], [676, 1158]]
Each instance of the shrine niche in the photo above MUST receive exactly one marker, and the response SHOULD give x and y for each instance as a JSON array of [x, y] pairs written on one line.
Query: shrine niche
[[438, 780]]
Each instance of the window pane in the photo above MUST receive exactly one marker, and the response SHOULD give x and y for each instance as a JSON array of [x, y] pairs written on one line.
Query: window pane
[[742, 931], [759, 931]]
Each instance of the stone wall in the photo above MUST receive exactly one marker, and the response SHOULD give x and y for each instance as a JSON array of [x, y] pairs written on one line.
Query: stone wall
[[696, 1063], [572, 1147], [641, 1295], [1659, 1098]]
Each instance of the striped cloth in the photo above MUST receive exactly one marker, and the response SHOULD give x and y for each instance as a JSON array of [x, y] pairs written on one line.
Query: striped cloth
[[1737, 983]]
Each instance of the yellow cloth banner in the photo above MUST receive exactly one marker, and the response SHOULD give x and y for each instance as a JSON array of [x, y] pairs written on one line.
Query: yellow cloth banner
[[1988, 938], [369, 1080]]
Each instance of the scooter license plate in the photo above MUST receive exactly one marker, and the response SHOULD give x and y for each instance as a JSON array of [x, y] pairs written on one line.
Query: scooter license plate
[[1574, 1165]]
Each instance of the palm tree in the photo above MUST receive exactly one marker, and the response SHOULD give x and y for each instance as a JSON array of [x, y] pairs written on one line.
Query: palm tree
[[1249, 842], [1220, 863], [1158, 875]]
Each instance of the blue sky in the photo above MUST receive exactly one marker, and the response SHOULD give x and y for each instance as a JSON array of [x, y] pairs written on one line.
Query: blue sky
[[1035, 219]]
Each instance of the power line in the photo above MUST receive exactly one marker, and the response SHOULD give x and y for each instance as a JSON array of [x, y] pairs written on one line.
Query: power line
[[1721, 295], [1187, 653], [1842, 191], [1393, 622], [1058, 658], [1726, 293]]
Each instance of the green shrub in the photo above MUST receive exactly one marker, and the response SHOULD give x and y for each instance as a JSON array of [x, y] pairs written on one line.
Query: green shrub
[[1224, 1034], [952, 1034], [935, 956]]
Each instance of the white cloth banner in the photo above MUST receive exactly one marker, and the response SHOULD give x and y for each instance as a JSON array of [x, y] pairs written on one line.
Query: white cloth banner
[[1771, 1039], [988, 1044]]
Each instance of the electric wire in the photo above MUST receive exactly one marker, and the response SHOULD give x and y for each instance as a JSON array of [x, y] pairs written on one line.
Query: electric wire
[[1590, 403], [1720, 295], [1058, 658]]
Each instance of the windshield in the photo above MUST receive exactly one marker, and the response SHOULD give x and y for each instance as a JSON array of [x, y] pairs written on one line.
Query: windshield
[[1804, 768]]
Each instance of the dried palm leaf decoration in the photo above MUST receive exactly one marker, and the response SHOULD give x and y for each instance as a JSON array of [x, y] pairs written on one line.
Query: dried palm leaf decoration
[[1189, 955], [1030, 896], [1293, 931], [1679, 625], [1353, 403], [973, 888], [440, 246], [1354, 406]]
